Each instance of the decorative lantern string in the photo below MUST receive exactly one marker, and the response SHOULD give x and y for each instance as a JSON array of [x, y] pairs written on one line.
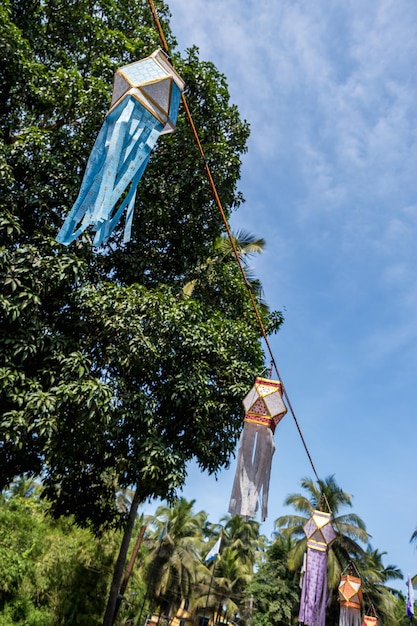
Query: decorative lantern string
[[231, 239], [368, 620]]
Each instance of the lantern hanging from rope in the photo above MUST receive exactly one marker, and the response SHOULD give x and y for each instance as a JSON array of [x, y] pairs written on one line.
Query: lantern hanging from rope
[[320, 535], [350, 598], [145, 102], [264, 408]]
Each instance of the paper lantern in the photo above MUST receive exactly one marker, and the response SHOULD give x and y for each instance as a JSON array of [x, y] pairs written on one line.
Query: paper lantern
[[145, 102], [320, 535], [350, 598], [264, 408]]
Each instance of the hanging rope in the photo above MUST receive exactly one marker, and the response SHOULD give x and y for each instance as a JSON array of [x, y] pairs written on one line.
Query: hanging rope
[[164, 45]]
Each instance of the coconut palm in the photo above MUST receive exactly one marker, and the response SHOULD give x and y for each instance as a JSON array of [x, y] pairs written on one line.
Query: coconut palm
[[222, 586], [375, 576], [245, 245], [274, 592], [175, 545], [350, 529], [232, 577], [413, 538], [23, 487], [242, 536]]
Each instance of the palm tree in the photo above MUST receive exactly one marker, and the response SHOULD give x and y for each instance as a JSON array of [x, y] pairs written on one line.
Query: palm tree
[[174, 552], [375, 576], [350, 529], [23, 487], [221, 585], [231, 579], [273, 594], [246, 245], [413, 538], [242, 536]]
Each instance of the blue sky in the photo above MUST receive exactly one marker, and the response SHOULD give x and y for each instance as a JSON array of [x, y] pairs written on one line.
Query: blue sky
[[330, 181]]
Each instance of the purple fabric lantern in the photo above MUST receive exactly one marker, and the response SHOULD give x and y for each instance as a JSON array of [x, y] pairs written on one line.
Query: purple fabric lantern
[[320, 535]]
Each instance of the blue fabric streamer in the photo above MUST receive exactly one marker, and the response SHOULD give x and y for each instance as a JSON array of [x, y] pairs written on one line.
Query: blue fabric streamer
[[145, 102], [118, 159]]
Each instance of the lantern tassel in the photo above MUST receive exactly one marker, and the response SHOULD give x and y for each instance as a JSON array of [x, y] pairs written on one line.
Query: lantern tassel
[[255, 452], [117, 162], [350, 616], [314, 589]]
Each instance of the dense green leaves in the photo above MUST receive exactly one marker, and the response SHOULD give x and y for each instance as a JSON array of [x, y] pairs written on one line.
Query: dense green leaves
[[273, 594], [178, 544], [45, 564]]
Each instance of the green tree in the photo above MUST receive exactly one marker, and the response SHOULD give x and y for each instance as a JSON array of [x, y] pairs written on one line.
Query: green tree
[[222, 583], [272, 597], [243, 538], [110, 378], [174, 545], [230, 581], [245, 245], [45, 564], [375, 578]]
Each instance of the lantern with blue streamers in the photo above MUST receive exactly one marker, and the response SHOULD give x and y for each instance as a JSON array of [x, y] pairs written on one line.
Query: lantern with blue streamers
[[145, 103]]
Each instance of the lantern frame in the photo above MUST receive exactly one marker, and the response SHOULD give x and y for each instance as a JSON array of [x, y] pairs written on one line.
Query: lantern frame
[[350, 591], [319, 531]]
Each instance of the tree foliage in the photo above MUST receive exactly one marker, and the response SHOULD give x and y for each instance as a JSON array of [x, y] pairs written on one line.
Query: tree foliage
[[110, 376], [174, 545], [46, 563], [273, 594], [376, 579]]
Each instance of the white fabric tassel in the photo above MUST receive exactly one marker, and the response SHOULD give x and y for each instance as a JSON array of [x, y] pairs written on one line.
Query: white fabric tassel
[[349, 616], [255, 452]]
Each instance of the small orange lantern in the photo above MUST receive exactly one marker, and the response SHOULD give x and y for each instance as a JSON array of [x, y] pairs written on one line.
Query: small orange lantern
[[350, 598]]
